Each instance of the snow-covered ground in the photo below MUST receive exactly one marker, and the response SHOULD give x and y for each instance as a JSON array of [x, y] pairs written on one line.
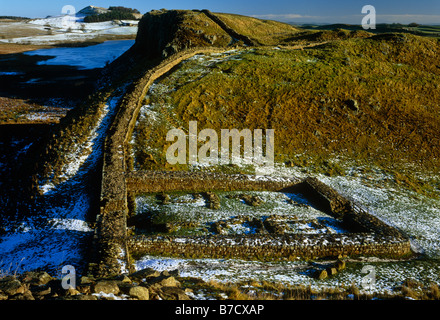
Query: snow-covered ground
[[71, 22], [388, 274], [57, 232], [417, 216], [186, 209], [70, 36], [54, 30]]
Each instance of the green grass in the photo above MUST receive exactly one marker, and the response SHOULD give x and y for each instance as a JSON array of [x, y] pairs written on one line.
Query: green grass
[[303, 95]]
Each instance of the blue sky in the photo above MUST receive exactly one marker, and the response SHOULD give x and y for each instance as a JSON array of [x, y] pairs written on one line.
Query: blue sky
[[300, 11]]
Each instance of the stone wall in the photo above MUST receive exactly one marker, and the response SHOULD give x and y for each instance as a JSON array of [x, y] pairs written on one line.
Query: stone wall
[[326, 198], [267, 247], [359, 220], [354, 218], [110, 234], [370, 237], [170, 181]]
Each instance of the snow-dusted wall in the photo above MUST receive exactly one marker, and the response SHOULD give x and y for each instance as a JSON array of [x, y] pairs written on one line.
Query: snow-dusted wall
[[261, 247], [110, 234]]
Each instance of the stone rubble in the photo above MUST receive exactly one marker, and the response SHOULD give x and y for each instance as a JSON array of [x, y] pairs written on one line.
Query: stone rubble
[[146, 284]]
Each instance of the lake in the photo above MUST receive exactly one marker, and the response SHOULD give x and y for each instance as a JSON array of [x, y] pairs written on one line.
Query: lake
[[91, 57]]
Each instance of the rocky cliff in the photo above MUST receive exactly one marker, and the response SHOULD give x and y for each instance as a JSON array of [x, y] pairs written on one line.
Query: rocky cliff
[[164, 32]]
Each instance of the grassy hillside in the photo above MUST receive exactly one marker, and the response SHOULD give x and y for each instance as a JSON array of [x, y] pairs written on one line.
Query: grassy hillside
[[164, 32], [266, 32], [371, 100]]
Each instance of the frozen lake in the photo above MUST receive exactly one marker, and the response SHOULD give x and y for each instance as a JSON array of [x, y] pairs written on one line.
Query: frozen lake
[[91, 57]]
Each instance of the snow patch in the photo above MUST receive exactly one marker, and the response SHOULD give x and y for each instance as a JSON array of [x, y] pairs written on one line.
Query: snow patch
[[56, 233]]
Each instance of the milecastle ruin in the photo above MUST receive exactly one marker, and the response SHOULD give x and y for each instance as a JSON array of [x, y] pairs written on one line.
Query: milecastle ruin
[[367, 236]]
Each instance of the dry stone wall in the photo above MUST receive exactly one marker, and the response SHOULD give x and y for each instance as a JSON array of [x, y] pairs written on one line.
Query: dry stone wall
[[370, 236], [171, 181], [267, 247], [325, 197], [110, 233]]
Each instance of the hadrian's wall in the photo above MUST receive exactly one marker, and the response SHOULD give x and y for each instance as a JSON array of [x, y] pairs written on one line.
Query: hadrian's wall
[[326, 198], [234, 34], [111, 244], [353, 217], [110, 233]]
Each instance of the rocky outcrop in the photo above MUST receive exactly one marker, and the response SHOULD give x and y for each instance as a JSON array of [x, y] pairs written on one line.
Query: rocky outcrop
[[156, 31], [163, 33], [213, 200], [146, 284], [328, 270]]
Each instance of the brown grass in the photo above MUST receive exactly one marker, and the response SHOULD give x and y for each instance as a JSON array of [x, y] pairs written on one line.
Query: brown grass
[[14, 29], [7, 48], [13, 111], [266, 290]]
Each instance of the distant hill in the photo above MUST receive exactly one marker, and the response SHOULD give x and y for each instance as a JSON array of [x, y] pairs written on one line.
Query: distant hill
[[99, 14], [413, 28], [13, 18], [91, 10]]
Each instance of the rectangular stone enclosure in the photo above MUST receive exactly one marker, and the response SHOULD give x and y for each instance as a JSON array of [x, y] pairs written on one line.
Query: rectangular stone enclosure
[[366, 234]]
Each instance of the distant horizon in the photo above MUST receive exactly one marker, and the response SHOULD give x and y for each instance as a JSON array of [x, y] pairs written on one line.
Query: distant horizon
[[288, 22], [318, 12]]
